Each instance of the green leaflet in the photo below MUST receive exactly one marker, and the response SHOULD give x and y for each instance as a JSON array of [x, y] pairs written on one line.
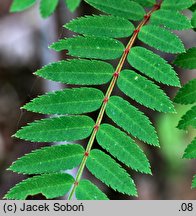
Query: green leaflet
[[144, 91], [122, 147], [187, 94], [146, 3], [67, 101], [190, 151], [103, 167], [72, 4], [19, 5], [177, 4], [47, 7], [86, 190], [109, 26], [50, 185], [163, 17], [78, 72], [194, 182], [131, 120], [65, 128], [49, 159], [153, 66], [168, 42], [124, 8], [189, 119], [193, 20], [91, 47], [187, 60]]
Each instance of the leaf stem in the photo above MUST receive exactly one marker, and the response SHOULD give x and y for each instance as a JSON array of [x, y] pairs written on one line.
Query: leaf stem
[[107, 96]]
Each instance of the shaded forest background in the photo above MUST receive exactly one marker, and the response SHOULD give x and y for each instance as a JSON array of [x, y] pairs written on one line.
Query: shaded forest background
[[24, 41]]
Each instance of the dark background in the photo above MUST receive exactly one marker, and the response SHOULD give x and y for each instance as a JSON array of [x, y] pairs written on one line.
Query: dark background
[[24, 40]]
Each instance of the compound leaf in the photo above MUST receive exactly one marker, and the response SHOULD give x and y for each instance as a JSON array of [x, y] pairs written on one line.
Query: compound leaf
[[124, 8], [153, 66], [50, 185], [49, 159], [190, 151], [72, 4], [47, 7], [86, 190], [187, 60], [64, 128], [168, 42], [78, 72], [19, 5], [188, 119], [110, 172], [109, 26], [163, 17], [144, 91], [122, 147], [131, 120], [91, 47], [187, 94], [68, 101]]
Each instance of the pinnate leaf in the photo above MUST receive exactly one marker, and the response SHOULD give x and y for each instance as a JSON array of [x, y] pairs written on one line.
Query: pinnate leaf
[[176, 4], [144, 91], [188, 119], [68, 101], [78, 72], [47, 7], [19, 5], [122, 147], [86, 190], [110, 172], [163, 17], [187, 60], [50, 185], [49, 159], [168, 42], [187, 94], [153, 66], [64, 128], [91, 47], [131, 120], [72, 4], [109, 26], [124, 8], [190, 151]]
